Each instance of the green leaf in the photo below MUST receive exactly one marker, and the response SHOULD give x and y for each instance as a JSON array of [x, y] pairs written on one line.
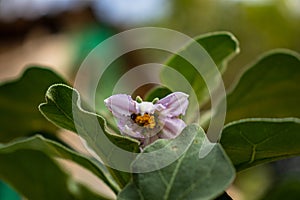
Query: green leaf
[[130, 192], [270, 88], [28, 166], [19, 100], [157, 92], [221, 47], [63, 103], [54, 149], [251, 142], [189, 177]]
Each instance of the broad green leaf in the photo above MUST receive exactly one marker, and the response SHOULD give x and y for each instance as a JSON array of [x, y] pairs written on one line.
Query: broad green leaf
[[19, 100], [270, 88], [60, 108], [54, 149], [189, 177], [251, 142], [35, 175], [221, 47], [132, 192]]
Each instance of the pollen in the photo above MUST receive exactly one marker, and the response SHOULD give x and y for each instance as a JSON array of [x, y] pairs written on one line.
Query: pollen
[[145, 120]]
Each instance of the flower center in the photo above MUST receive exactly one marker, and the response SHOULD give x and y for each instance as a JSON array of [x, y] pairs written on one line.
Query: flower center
[[145, 120]]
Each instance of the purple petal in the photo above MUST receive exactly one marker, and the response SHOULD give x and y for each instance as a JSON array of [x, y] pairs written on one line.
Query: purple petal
[[172, 128], [176, 104], [120, 105]]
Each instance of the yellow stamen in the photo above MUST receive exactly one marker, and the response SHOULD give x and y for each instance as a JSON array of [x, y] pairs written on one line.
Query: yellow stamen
[[145, 120]]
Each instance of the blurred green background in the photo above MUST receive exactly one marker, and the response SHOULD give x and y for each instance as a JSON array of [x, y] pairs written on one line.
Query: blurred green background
[[60, 33]]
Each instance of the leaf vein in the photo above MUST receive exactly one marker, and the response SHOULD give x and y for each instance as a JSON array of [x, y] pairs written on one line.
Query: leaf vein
[[170, 185]]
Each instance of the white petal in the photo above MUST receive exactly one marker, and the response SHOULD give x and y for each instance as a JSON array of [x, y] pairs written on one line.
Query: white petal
[[148, 107]]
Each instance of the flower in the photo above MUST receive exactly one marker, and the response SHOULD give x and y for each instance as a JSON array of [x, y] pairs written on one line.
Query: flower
[[149, 121]]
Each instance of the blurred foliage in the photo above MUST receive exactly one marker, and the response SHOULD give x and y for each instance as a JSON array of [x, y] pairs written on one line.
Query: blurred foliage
[[87, 38], [288, 188], [7, 193], [19, 100], [254, 183], [258, 25]]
